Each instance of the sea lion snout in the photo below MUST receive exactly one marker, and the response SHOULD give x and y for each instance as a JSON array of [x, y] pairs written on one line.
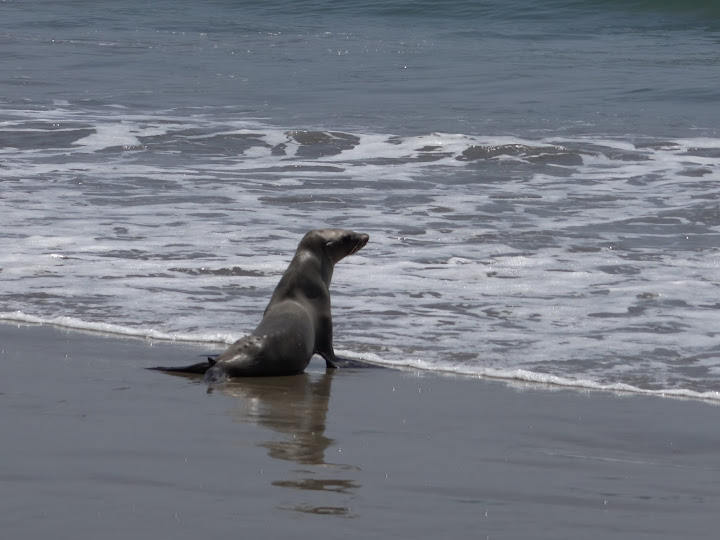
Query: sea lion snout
[[340, 243], [361, 242]]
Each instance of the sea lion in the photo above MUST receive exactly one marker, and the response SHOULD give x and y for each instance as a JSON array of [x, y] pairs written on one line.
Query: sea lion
[[296, 323]]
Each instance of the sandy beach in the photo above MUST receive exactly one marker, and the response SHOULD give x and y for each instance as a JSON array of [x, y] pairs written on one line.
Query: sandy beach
[[96, 446]]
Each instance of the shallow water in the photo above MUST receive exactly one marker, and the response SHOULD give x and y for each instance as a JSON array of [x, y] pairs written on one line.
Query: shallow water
[[539, 181]]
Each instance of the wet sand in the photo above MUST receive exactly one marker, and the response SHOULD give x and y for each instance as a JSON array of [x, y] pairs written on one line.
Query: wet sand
[[94, 446]]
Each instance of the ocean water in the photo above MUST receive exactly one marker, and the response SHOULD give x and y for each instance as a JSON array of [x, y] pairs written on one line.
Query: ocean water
[[540, 180]]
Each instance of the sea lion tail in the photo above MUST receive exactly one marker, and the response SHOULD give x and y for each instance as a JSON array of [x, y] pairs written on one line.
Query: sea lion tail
[[197, 369]]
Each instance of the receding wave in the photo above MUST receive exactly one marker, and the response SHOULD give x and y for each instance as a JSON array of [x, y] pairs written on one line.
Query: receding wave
[[542, 260]]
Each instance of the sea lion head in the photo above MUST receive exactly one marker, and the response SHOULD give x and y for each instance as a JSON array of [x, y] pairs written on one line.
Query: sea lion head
[[336, 244]]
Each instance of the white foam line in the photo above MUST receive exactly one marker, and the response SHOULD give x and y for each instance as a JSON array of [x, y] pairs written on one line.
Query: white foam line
[[542, 379], [106, 328]]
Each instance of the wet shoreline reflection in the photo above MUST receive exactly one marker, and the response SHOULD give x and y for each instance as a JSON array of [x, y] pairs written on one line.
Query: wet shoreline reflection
[[296, 408]]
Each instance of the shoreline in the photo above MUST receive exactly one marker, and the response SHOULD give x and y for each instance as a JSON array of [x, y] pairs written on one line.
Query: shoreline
[[95, 444], [521, 377]]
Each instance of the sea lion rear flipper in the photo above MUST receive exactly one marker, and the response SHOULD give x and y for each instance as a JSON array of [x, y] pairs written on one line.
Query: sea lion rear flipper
[[329, 360], [198, 369], [330, 364]]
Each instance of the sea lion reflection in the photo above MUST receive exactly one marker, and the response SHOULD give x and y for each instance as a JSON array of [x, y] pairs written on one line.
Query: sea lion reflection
[[295, 406]]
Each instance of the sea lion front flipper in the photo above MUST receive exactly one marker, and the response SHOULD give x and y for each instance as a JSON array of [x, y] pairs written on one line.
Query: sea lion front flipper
[[324, 338], [329, 359]]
